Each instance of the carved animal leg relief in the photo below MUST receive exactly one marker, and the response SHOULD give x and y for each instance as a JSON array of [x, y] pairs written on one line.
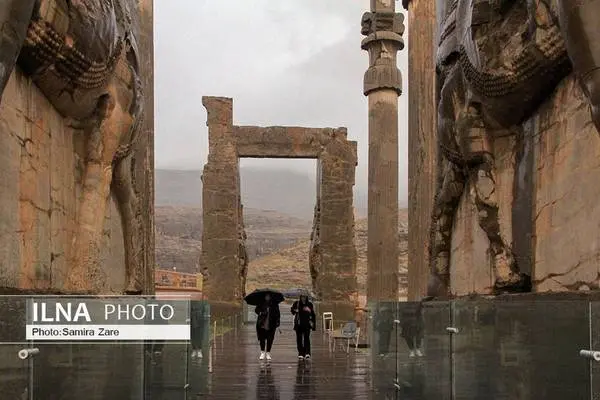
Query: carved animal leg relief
[[581, 33], [505, 268], [15, 16], [592, 87], [101, 148], [445, 206], [129, 209]]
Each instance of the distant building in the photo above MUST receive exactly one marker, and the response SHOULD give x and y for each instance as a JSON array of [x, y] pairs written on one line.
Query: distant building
[[172, 282]]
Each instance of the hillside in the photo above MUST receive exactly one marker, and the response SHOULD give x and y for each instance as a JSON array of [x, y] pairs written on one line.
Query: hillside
[[278, 212], [179, 234], [288, 268]]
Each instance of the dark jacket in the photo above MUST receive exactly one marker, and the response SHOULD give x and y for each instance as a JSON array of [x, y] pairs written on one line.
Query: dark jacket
[[270, 310], [304, 320]]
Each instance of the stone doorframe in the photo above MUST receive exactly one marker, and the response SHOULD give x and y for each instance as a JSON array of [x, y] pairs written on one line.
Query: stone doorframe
[[224, 259]]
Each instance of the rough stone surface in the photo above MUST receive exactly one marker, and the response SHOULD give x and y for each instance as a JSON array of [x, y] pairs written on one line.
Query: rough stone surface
[[567, 214], [224, 259], [67, 223]]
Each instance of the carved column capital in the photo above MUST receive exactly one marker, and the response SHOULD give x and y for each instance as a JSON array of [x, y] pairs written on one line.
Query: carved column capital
[[383, 31]]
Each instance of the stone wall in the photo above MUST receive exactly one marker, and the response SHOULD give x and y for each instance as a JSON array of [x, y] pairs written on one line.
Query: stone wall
[[548, 184], [333, 255], [41, 164]]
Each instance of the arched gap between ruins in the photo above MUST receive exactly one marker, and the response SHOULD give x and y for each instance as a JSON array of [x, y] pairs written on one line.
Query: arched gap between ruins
[[224, 257]]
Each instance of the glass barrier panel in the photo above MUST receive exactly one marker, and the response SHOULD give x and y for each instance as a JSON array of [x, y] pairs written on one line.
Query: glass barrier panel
[[93, 371], [16, 374], [432, 368], [520, 348], [588, 359], [383, 342]]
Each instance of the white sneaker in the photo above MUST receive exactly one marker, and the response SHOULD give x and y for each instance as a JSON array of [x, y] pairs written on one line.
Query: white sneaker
[[307, 357], [411, 354], [419, 353], [300, 357], [193, 354], [262, 355], [268, 356], [199, 353]]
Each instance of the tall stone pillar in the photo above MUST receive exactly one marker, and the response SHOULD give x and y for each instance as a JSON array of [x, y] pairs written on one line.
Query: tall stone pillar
[[220, 203], [422, 139], [383, 28], [336, 282]]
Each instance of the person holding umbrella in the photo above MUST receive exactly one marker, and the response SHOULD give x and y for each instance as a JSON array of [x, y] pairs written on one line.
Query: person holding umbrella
[[304, 322], [268, 318]]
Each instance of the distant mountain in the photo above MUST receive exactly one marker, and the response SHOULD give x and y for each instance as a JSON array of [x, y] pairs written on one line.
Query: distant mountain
[[179, 234], [285, 191]]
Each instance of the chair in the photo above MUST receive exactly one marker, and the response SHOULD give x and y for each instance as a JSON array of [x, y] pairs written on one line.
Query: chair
[[349, 332], [327, 316]]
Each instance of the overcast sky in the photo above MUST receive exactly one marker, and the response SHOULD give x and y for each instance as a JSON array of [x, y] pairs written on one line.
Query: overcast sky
[[284, 62]]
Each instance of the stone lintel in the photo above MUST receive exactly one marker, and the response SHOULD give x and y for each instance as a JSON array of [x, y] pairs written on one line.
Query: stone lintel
[[285, 141]]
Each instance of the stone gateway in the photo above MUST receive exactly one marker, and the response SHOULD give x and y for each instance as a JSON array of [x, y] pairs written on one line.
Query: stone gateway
[[332, 251]]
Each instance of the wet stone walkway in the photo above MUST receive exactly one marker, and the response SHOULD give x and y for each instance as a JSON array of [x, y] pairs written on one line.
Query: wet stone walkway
[[237, 373]]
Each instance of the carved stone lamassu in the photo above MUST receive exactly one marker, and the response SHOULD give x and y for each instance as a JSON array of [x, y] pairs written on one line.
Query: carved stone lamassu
[[496, 62], [84, 57]]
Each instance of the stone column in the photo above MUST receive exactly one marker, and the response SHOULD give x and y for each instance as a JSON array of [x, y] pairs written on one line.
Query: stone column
[[336, 280], [220, 203], [383, 28], [145, 163], [422, 139]]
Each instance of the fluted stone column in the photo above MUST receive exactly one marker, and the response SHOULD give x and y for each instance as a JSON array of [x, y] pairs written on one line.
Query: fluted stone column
[[383, 28], [422, 138]]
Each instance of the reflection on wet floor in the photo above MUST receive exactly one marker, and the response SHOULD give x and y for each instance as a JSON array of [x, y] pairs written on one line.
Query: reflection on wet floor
[[239, 374]]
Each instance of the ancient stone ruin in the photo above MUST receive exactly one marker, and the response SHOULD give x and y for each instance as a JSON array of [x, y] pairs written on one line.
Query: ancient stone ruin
[[76, 153], [383, 28], [332, 251], [515, 161]]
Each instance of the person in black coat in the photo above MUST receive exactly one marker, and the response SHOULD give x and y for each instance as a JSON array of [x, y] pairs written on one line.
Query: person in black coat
[[267, 322], [304, 323]]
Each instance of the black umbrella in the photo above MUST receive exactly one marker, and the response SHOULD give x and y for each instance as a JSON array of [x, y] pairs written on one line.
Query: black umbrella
[[258, 296]]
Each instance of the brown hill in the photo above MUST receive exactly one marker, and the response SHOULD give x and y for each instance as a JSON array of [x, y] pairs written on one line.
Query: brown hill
[[179, 234], [288, 268]]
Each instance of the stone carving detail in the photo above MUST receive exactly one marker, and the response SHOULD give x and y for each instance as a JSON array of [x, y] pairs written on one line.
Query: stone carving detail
[[496, 62], [315, 258], [242, 250], [332, 255], [84, 57], [383, 31]]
